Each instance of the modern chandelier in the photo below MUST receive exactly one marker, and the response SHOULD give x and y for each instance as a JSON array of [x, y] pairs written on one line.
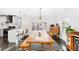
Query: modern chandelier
[[40, 18]]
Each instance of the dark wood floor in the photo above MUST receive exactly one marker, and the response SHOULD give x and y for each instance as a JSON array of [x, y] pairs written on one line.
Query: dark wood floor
[[3, 43]]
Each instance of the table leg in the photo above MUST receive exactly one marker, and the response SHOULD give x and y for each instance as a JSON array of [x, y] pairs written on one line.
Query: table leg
[[42, 45], [51, 44], [30, 47]]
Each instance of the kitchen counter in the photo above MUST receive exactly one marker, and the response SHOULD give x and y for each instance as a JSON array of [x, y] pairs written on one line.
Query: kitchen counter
[[3, 27]]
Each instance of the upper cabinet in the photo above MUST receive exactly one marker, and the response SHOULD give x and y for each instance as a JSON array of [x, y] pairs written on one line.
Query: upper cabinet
[[9, 19], [5, 19]]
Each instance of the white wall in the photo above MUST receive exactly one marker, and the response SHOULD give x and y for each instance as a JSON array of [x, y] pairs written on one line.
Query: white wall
[[73, 14], [2, 19], [50, 14], [30, 14], [74, 22]]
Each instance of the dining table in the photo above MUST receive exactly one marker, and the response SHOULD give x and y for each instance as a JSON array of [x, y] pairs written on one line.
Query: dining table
[[43, 40]]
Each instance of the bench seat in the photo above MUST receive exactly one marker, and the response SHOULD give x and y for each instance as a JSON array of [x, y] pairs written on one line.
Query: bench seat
[[24, 45]]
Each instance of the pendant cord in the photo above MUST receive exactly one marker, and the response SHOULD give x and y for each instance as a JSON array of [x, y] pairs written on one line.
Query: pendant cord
[[40, 13]]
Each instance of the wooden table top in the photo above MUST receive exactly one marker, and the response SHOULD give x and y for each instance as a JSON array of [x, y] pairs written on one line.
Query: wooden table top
[[32, 39]]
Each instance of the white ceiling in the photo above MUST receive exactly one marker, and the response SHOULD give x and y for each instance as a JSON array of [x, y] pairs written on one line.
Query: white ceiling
[[46, 12]]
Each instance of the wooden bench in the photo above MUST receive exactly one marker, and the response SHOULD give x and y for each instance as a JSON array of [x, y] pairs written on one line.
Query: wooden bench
[[24, 45]]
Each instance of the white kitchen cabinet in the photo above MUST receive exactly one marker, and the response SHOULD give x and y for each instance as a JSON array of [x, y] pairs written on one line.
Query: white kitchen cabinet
[[12, 36]]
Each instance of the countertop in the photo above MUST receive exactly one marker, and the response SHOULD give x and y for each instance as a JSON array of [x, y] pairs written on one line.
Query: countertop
[[3, 27]]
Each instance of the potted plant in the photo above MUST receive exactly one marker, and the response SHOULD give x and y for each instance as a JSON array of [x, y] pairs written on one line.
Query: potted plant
[[69, 30]]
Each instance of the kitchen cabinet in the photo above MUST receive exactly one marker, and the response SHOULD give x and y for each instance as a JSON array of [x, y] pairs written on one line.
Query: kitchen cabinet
[[12, 36]]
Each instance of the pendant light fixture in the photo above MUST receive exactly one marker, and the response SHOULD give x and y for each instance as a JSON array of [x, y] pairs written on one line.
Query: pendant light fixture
[[40, 18], [40, 13]]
